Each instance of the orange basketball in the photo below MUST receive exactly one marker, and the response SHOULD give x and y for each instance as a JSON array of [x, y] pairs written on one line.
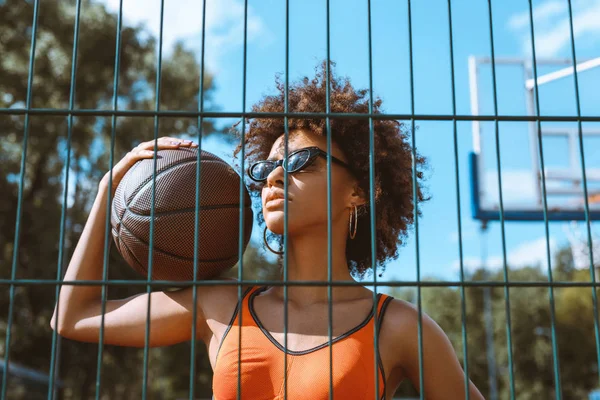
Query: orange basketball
[[174, 215]]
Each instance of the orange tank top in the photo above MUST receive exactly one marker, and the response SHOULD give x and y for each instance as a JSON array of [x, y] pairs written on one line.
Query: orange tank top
[[262, 361]]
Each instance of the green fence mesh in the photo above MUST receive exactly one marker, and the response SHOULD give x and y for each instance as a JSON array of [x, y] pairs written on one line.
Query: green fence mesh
[[71, 113]]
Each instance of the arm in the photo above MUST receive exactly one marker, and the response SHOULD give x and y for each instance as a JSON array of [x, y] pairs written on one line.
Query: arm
[[443, 375], [79, 317]]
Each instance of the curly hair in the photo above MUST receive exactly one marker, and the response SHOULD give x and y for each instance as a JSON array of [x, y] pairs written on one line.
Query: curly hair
[[394, 205]]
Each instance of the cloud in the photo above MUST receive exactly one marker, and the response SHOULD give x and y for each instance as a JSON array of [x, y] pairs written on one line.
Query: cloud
[[552, 27], [521, 191], [183, 22], [541, 14], [518, 187], [527, 254]]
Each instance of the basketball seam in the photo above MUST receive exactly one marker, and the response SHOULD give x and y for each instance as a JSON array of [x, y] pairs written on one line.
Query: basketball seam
[[141, 190], [138, 190], [184, 210], [141, 266], [135, 193], [172, 255]]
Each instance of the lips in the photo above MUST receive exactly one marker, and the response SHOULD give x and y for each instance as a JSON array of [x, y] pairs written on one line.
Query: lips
[[275, 195], [275, 204]]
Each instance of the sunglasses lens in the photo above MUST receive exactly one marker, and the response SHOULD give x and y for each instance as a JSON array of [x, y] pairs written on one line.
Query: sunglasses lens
[[297, 160], [261, 170]]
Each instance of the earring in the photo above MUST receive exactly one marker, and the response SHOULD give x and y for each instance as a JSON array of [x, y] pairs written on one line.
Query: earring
[[353, 232], [267, 244]]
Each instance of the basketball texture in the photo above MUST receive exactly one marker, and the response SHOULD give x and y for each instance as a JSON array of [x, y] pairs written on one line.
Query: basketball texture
[[174, 215]]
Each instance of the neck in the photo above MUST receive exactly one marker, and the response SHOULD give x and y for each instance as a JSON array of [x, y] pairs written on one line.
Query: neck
[[307, 260]]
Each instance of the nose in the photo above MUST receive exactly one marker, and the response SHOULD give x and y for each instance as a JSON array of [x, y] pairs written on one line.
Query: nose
[[275, 177]]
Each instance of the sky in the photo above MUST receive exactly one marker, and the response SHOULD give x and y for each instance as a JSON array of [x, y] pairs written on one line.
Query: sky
[[438, 251]]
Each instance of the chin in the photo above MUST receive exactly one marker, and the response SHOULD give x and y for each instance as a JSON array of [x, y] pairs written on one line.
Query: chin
[[275, 222]]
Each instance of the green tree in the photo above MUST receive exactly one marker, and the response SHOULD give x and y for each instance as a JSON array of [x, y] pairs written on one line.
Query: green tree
[[44, 180], [531, 332]]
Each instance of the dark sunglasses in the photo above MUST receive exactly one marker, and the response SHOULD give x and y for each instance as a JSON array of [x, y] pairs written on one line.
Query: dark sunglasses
[[296, 161]]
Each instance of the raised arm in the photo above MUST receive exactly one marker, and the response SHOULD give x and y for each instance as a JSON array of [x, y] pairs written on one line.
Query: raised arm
[[79, 317]]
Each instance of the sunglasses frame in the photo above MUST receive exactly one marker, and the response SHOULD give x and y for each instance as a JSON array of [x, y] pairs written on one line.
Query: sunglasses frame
[[313, 153]]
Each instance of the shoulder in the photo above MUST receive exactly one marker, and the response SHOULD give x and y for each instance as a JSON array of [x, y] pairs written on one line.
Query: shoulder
[[442, 372], [219, 301], [400, 316], [400, 327]]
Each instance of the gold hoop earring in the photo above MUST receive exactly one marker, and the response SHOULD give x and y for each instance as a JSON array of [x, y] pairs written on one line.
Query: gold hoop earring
[[267, 244], [353, 233]]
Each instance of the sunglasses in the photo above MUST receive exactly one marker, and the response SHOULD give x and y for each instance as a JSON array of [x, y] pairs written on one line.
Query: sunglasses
[[296, 161]]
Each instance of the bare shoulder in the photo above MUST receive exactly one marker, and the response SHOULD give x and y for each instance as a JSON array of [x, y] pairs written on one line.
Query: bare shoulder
[[401, 315], [401, 326], [442, 371], [215, 305], [219, 301]]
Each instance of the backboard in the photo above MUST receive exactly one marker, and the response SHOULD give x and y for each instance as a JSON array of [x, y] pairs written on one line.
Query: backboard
[[515, 98]]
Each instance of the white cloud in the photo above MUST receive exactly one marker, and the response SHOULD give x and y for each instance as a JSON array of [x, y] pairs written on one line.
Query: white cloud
[[183, 21], [518, 187], [552, 27], [527, 254], [541, 14], [521, 191]]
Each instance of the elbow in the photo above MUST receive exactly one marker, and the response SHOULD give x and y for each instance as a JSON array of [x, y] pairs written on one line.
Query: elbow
[[54, 327], [60, 328]]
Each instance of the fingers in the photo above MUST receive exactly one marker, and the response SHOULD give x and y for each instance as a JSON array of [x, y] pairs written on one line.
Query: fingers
[[137, 154], [146, 149], [166, 142]]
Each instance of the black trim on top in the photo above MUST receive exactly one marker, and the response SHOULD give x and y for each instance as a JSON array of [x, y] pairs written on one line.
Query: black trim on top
[[303, 352], [235, 312], [379, 322]]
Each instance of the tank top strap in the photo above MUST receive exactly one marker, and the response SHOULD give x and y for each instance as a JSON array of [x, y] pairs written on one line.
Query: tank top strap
[[247, 317], [384, 300], [249, 291], [234, 321]]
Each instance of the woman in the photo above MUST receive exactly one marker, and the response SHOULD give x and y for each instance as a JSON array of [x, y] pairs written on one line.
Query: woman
[[262, 308]]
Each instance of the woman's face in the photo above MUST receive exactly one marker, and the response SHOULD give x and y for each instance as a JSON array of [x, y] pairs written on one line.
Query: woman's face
[[307, 188]]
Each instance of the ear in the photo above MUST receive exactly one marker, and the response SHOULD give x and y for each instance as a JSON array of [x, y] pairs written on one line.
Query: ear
[[357, 196]]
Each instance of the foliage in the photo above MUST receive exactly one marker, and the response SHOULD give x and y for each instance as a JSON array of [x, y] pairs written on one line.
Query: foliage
[[530, 321], [168, 368], [44, 181]]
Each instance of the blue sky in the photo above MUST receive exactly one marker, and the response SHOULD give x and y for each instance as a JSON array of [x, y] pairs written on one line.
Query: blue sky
[[438, 227]]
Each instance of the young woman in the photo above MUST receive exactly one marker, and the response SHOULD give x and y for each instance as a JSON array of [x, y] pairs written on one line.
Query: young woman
[[262, 308]]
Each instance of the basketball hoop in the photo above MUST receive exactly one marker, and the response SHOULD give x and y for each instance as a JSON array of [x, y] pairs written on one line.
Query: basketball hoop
[[593, 201], [594, 198], [562, 198]]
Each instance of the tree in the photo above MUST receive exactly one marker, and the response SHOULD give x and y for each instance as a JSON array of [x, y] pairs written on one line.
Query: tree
[[44, 180], [530, 316]]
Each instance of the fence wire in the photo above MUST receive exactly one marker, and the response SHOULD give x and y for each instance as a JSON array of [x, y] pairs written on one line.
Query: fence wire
[[201, 114]]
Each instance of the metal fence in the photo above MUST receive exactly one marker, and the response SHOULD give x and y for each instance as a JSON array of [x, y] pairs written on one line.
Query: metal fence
[[201, 114]]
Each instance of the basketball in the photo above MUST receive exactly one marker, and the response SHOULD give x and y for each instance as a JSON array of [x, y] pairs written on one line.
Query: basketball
[[174, 215]]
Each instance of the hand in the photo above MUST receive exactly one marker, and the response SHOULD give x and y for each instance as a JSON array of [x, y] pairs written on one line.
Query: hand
[[141, 151]]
